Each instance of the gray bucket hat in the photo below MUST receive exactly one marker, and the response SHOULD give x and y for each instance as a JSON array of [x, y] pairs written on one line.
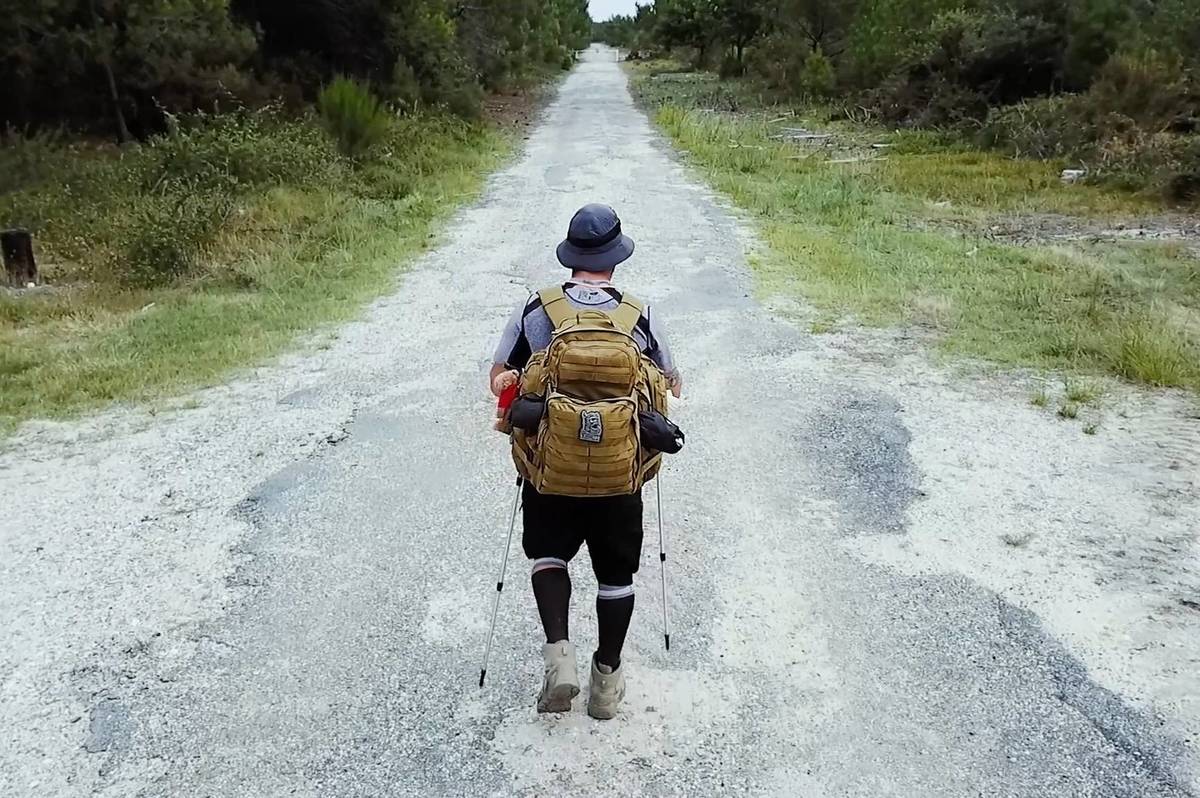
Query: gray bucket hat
[[594, 240]]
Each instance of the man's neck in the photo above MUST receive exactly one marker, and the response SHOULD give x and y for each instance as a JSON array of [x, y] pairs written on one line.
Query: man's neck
[[600, 278]]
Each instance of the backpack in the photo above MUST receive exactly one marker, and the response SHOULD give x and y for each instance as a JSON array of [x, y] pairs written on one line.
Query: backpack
[[594, 379]]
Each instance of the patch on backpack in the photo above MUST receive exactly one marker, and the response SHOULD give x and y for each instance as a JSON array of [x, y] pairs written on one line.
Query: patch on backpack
[[591, 426]]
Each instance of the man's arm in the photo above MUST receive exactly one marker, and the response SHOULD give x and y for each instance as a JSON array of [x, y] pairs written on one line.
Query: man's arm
[[660, 353], [513, 351]]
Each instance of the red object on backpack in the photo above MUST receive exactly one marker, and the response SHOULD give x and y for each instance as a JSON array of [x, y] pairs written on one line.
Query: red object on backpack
[[507, 396]]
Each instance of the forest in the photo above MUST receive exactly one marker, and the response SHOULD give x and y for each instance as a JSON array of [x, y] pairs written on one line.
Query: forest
[[123, 67], [1111, 85]]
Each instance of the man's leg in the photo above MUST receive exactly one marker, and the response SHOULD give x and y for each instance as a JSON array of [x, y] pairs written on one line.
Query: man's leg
[[615, 545], [552, 591], [614, 610], [549, 541]]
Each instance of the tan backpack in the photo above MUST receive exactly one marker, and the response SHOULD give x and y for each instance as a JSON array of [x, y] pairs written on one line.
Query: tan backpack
[[595, 379]]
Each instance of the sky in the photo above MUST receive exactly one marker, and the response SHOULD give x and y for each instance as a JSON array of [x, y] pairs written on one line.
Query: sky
[[603, 9]]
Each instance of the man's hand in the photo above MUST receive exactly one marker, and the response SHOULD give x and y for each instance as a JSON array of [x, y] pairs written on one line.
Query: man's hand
[[675, 380], [499, 370], [505, 380]]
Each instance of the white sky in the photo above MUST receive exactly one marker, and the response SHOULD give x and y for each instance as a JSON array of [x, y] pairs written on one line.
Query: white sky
[[603, 9]]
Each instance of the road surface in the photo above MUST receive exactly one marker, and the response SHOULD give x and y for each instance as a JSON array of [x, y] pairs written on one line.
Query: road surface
[[285, 589]]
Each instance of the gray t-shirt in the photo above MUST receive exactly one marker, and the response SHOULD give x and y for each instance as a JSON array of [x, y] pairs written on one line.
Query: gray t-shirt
[[529, 329]]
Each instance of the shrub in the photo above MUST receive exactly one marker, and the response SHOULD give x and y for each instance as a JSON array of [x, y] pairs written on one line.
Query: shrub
[[817, 78], [167, 235], [353, 116], [236, 152], [405, 89], [1148, 88], [731, 67], [1048, 127]]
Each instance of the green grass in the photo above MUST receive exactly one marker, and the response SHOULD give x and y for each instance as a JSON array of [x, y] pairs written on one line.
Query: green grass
[[1083, 392], [868, 240], [295, 251]]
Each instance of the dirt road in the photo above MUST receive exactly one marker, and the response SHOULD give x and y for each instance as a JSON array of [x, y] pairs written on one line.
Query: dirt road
[[887, 580]]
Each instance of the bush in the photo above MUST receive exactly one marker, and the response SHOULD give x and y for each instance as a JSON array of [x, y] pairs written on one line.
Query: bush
[[236, 152], [166, 237], [405, 89], [353, 116], [1049, 127], [731, 67], [1147, 88], [817, 79]]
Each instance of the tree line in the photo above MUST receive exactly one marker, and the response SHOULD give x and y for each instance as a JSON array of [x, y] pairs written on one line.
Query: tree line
[[124, 67], [1113, 84]]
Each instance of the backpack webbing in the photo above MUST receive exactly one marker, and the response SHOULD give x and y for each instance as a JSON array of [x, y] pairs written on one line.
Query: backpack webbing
[[560, 310]]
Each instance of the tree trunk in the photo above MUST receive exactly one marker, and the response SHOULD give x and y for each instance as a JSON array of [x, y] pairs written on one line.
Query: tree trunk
[[114, 96], [123, 135], [19, 265]]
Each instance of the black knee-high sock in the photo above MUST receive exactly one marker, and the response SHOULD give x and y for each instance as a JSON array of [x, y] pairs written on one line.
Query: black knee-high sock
[[612, 616], [552, 590]]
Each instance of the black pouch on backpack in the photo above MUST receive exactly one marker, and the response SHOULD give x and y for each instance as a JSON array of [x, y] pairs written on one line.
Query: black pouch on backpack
[[659, 433], [527, 411]]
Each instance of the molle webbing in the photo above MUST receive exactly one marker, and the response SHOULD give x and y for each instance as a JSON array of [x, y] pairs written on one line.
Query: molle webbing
[[560, 310]]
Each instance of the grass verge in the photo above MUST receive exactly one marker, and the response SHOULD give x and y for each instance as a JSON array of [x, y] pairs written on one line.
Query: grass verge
[[901, 241], [169, 263]]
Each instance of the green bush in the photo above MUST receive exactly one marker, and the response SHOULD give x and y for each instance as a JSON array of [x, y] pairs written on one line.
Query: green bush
[[817, 79], [166, 237], [1147, 88], [353, 116], [236, 152], [405, 88], [1047, 127]]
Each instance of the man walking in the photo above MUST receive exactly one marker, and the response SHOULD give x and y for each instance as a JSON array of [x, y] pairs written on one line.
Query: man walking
[[556, 526]]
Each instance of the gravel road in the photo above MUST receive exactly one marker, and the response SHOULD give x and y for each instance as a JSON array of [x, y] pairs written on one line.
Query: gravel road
[[887, 578]]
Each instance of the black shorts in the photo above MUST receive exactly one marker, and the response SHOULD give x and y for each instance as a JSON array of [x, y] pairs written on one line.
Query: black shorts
[[556, 526]]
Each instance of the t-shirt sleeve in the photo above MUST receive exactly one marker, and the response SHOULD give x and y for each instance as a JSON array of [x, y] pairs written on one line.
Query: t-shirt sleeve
[[514, 350], [656, 345]]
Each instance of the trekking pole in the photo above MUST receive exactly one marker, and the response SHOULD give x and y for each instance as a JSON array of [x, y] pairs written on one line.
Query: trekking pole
[[487, 652], [662, 561]]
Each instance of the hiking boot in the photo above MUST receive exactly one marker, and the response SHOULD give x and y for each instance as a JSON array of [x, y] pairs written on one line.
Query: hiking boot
[[561, 682], [606, 691]]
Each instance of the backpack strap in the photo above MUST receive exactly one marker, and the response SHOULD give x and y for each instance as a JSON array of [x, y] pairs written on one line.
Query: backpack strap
[[554, 302], [628, 313]]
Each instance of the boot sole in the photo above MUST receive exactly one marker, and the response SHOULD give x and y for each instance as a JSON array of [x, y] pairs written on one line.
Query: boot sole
[[559, 699]]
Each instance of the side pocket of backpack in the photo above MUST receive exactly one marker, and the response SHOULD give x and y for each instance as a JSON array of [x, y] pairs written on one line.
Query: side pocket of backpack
[[524, 444]]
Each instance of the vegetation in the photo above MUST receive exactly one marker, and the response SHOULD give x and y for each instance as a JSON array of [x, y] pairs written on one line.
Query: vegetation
[[906, 239], [1112, 87], [210, 247], [122, 67], [205, 179], [353, 116]]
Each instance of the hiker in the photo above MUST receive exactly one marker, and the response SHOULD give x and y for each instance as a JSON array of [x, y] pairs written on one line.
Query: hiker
[[602, 507]]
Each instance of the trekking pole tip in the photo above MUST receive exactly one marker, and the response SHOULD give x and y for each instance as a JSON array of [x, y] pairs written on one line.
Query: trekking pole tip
[[482, 674], [667, 640]]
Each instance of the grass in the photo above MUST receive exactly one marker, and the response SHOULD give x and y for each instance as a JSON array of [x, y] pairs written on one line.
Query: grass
[[1083, 392], [869, 240], [291, 250]]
